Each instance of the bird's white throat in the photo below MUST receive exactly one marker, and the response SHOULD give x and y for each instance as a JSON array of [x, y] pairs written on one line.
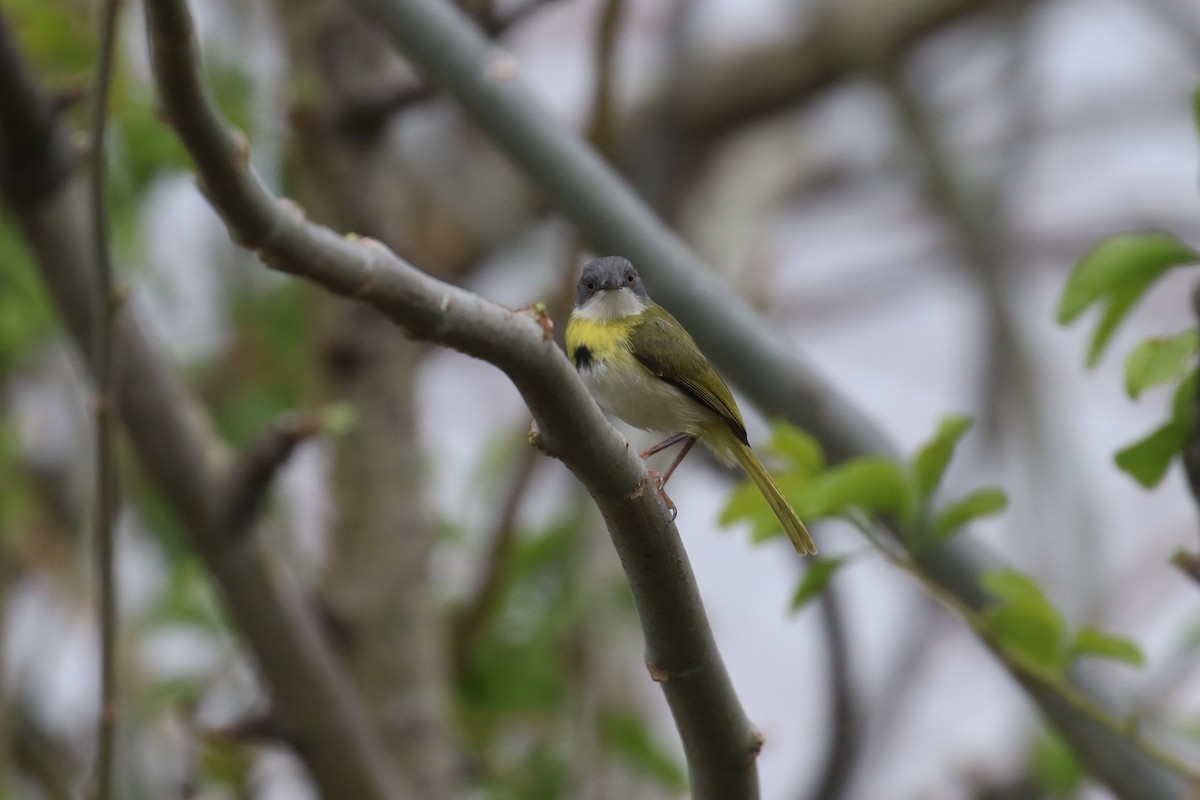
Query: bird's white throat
[[612, 304]]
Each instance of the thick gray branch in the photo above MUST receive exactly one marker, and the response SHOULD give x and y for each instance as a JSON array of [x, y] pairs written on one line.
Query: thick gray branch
[[454, 55], [718, 740]]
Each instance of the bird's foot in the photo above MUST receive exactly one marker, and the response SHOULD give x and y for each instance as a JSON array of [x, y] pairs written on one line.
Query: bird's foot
[[660, 484]]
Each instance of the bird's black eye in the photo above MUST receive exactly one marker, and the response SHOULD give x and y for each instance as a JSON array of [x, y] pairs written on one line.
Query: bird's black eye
[[631, 278], [590, 286]]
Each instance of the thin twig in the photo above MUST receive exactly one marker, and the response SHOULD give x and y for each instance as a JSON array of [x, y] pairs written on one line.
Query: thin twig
[[260, 728], [257, 468], [103, 408]]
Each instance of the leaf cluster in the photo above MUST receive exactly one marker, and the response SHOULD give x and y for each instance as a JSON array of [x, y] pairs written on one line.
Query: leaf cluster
[[1114, 276], [904, 493], [517, 692], [1031, 630]]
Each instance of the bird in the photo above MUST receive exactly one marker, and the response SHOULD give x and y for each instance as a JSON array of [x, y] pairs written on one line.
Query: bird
[[643, 367]]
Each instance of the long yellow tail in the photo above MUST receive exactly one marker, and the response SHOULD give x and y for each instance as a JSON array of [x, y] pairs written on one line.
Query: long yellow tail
[[791, 523]]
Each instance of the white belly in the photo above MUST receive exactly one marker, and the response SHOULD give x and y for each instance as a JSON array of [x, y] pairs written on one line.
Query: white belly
[[639, 399]]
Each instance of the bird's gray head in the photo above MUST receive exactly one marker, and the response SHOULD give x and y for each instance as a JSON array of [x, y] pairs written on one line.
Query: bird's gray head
[[610, 287]]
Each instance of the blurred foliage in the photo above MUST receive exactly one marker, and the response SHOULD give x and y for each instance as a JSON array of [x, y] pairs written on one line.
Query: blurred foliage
[[1160, 360], [521, 682], [1031, 630], [1115, 275], [1021, 618], [1024, 620], [624, 732], [1148, 459], [815, 579], [18, 498], [26, 317], [269, 368], [1054, 767], [57, 38], [187, 600]]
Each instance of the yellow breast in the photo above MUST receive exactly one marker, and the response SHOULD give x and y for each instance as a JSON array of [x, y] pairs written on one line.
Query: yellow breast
[[601, 340]]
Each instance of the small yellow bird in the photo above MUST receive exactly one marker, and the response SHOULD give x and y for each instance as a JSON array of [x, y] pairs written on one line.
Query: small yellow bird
[[643, 367]]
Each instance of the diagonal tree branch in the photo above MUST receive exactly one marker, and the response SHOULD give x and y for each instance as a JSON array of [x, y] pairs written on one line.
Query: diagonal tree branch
[[451, 53], [179, 451], [719, 742]]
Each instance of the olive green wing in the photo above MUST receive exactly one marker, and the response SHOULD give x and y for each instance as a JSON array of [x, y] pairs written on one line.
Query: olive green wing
[[668, 351]]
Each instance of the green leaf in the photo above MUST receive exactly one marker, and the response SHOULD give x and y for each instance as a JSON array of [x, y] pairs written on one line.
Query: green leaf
[[1094, 642], [627, 736], [746, 504], [799, 448], [26, 316], [815, 580], [1183, 404], [1147, 460], [1024, 621], [1121, 262], [1157, 361], [1054, 766], [1014, 588], [875, 485], [55, 38], [1119, 304], [929, 464], [1118, 272], [953, 516]]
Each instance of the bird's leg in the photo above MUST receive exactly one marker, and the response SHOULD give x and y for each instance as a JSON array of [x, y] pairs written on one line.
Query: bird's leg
[[664, 444], [660, 481], [683, 451]]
